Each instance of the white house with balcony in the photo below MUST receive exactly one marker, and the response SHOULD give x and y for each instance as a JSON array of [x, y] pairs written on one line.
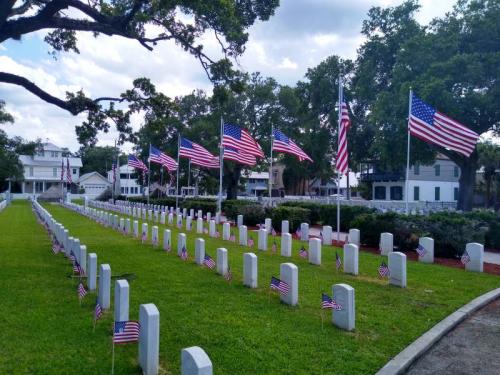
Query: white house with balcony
[[43, 169]]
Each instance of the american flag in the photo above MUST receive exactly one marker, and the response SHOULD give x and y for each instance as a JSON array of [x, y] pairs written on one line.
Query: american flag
[[75, 268], [68, 172], [434, 127], [250, 242], [126, 332], [345, 123], [81, 291], [303, 252], [298, 233], [209, 262], [62, 170], [144, 236], [338, 261], [156, 156], [55, 248], [241, 140], [229, 275], [231, 153], [279, 285], [383, 270], [97, 311], [216, 234], [282, 143], [197, 154], [114, 172], [72, 258], [274, 247], [273, 232], [232, 238], [134, 162], [421, 250], [465, 258], [184, 253], [329, 303], [168, 247]]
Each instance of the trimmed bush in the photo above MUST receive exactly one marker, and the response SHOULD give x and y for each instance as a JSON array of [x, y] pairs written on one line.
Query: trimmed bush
[[294, 215], [253, 214], [232, 207], [207, 205]]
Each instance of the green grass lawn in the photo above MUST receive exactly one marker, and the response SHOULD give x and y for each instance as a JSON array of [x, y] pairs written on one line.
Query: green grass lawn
[[244, 331]]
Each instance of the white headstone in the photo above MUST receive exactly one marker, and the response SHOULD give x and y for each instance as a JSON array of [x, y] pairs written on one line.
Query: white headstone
[[191, 213], [397, 269], [344, 318], [386, 243], [83, 258], [217, 218], [286, 244], [170, 218], [121, 300], [155, 239], [104, 286], [239, 221], [136, 229], [149, 339], [211, 228], [285, 226], [327, 235], [150, 215], [155, 214], [428, 244], [92, 271], [162, 217], [221, 261], [262, 239], [127, 226], [194, 361], [289, 273], [184, 212], [181, 242], [476, 254], [122, 225], [351, 259], [242, 235], [226, 231], [189, 224], [144, 233], [167, 240], [199, 225], [209, 217], [200, 214], [199, 251], [354, 237], [250, 270], [268, 225], [315, 251], [304, 232]]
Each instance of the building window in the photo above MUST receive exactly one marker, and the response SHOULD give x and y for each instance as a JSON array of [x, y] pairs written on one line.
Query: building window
[[455, 194], [396, 193], [437, 170], [455, 171], [31, 171], [54, 172], [437, 193], [122, 190], [416, 169], [416, 193], [380, 192], [74, 170]]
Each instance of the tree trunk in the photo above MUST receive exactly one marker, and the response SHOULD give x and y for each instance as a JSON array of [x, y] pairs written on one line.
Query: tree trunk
[[468, 168], [231, 180], [488, 182]]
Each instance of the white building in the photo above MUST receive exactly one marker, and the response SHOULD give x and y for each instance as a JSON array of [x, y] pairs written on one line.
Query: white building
[[43, 170], [427, 183], [128, 181], [93, 184]]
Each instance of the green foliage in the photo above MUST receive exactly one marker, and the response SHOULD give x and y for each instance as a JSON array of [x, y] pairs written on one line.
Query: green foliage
[[207, 205], [253, 214], [97, 159], [294, 215], [232, 207]]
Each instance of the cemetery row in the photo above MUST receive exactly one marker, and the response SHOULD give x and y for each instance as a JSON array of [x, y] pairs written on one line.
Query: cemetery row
[[146, 331], [472, 257], [3, 204]]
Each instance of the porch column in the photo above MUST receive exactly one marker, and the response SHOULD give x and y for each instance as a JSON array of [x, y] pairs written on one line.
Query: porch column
[[43, 186]]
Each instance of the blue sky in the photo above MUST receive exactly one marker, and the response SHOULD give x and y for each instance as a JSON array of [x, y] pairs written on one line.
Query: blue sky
[[300, 35]]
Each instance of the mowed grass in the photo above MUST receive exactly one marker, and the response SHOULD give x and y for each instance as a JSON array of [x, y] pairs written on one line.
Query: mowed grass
[[245, 331]]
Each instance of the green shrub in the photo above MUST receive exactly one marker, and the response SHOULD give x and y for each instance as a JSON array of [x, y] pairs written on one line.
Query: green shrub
[[232, 207], [207, 205], [253, 214], [294, 215]]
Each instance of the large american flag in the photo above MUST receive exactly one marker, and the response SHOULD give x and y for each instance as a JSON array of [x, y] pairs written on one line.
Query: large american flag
[[198, 155], [231, 153], [434, 127], [68, 172], [156, 156], [135, 162], [125, 332], [241, 139], [282, 143], [345, 123], [279, 285]]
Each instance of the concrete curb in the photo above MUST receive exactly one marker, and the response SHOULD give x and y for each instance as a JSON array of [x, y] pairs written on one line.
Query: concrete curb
[[400, 363]]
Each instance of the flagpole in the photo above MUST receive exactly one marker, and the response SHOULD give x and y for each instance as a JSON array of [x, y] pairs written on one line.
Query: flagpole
[[221, 166], [113, 357], [161, 180], [149, 173], [338, 172], [114, 180], [271, 169], [189, 173], [178, 167], [408, 155]]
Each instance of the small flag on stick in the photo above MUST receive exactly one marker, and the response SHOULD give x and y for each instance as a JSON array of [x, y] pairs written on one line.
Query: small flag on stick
[[97, 311], [383, 270], [303, 252], [184, 254], [465, 258], [81, 291], [209, 262], [229, 275], [338, 261], [421, 250], [279, 285], [126, 332], [329, 303]]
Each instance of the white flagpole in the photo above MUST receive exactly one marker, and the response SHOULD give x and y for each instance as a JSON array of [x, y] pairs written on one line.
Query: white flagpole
[[407, 184], [271, 169], [338, 172], [221, 166], [149, 173], [113, 356], [178, 167]]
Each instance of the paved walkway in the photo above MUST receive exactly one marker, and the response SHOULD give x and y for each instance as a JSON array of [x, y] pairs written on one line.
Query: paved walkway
[[490, 257], [471, 348]]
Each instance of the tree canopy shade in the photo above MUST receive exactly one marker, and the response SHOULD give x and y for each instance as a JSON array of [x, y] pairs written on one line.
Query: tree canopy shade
[[147, 22]]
